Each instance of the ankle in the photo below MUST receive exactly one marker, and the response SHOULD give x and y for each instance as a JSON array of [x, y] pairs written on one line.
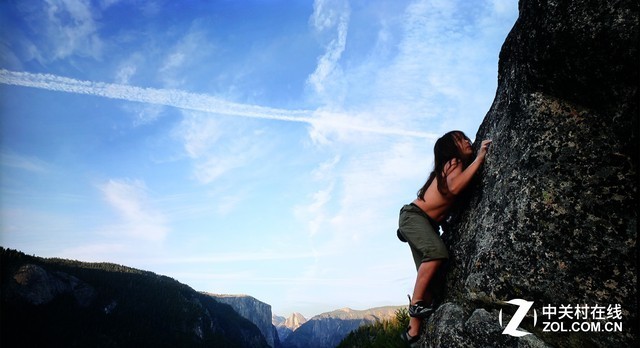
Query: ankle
[[422, 303]]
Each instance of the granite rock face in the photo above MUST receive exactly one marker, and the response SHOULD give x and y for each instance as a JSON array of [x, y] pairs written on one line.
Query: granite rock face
[[552, 217], [286, 326], [37, 286], [259, 313]]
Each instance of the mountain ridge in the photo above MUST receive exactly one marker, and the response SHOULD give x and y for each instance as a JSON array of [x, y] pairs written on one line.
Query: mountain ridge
[[71, 303], [328, 329], [107, 299]]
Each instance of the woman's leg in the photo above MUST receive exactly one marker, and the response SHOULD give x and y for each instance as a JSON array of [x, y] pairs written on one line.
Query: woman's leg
[[426, 271]]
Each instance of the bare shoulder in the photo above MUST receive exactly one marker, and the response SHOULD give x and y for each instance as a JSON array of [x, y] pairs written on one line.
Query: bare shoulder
[[453, 164]]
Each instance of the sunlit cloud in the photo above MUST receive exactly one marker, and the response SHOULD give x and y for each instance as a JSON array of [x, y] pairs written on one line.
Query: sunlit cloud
[[190, 50], [313, 212], [367, 192], [325, 169], [431, 65], [77, 36], [128, 69], [214, 147], [199, 134], [331, 16], [140, 220]]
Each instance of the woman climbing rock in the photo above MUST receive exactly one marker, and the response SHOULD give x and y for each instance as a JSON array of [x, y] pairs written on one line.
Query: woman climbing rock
[[419, 222]]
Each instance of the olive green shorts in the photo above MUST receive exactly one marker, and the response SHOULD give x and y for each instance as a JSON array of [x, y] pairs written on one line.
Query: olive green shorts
[[422, 234]]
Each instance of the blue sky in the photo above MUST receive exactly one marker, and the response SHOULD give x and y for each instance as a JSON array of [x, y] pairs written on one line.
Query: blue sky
[[247, 147]]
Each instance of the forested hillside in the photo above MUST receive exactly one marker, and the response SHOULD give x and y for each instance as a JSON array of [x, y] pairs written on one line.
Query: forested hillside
[[381, 334], [54, 302]]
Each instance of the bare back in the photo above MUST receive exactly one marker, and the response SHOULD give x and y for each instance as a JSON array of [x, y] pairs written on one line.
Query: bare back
[[435, 204]]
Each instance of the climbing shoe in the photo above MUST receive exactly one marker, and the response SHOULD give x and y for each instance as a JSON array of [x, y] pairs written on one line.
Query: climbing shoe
[[408, 339], [420, 309]]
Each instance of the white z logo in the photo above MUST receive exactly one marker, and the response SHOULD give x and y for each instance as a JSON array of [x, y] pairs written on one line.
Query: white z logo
[[511, 328]]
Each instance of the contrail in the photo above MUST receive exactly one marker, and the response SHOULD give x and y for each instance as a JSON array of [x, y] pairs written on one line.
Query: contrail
[[183, 100]]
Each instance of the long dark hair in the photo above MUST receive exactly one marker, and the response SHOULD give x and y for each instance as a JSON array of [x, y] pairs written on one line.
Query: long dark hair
[[445, 150]]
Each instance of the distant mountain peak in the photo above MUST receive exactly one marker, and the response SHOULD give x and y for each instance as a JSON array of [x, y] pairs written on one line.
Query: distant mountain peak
[[294, 321], [328, 329], [286, 326]]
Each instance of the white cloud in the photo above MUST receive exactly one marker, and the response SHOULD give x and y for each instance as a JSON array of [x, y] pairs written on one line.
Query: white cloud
[[140, 220], [194, 47], [128, 68], [174, 60], [145, 114], [314, 212], [125, 73], [384, 178], [325, 169], [341, 126], [186, 47], [329, 16], [215, 147], [31, 164], [433, 65], [355, 215], [216, 165], [199, 133], [76, 36]]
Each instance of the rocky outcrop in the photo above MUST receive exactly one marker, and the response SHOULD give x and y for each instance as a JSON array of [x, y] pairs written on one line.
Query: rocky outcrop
[[327, 330], [37, 286], [552, 217], [255, 311], [286, 326], [295, 321]]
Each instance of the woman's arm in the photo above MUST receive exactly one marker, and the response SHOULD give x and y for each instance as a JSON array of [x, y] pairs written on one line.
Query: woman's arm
[[458, 179]]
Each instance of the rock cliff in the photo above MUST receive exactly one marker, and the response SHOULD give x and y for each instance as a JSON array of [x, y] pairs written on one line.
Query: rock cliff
[[286, 326], [552, 217], [255, 311], [295, 321], [36, 286]]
